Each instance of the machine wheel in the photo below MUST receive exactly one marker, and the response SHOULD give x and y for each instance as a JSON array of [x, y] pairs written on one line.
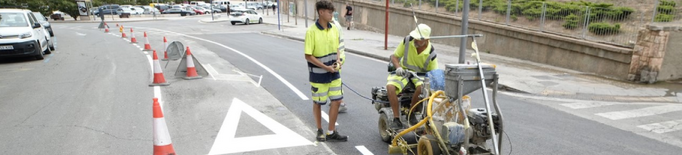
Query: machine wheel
[[233, 23], [428, 145], [383, 126], [260, 21]]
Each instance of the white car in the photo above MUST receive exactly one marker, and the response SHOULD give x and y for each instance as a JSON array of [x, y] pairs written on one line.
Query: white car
[[22, 35], [246, 16], [138, 10]]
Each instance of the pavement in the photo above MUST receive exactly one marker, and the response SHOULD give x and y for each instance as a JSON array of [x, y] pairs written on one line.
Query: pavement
[[515, 74]]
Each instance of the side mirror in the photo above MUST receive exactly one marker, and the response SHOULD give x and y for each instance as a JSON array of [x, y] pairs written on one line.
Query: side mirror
[[36, 25]]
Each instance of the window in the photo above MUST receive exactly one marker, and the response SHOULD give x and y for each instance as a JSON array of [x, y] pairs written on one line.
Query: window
[[31, 18]]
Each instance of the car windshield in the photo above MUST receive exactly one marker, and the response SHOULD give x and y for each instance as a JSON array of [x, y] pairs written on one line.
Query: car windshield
[[39, 17], [12, 20]]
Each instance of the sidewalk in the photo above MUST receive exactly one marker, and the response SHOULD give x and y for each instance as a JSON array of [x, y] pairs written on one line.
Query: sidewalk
[[515, 74]]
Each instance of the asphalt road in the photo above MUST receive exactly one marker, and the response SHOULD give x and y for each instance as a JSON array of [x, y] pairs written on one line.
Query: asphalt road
[[91, 97]]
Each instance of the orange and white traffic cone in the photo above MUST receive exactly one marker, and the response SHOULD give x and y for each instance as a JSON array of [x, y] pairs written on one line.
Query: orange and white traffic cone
[[123, 34], [147, 47], [106, 30], [165, 49], [132, 36], [162, 139], [159, 79], [191, 70]]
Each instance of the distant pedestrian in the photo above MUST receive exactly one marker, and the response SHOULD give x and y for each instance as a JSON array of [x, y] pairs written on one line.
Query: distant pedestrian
[[349, 15], [273, 8]]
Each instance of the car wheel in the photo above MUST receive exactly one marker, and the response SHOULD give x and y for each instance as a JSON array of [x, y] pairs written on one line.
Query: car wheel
[[247, 22], [41, 54], [51, 33], [260, 20], [233, 23]]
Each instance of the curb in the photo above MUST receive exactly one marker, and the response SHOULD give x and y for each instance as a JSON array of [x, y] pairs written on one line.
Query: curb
[[660, 99], [109, 21]]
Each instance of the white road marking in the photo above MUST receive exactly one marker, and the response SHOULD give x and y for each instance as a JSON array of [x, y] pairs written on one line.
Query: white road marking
[[363, 150], [663, 127], [649, 111], [589, 104], [81, 34], [225, 141], [211, 71], [326, 118], [280, 78]]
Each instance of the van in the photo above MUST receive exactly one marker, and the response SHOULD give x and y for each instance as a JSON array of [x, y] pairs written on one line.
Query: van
[[197, 3], [220, 3]]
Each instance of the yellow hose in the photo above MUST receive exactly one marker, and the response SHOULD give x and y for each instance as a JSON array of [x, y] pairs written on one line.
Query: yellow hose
[[422, 122]]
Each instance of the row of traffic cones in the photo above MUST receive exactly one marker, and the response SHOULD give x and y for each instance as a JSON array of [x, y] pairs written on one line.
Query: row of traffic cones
[[162, 140]]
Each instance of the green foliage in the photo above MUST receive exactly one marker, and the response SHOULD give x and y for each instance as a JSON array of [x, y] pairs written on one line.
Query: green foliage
[[667, 3], [570, 22], [663, 18], [514, 18], [665, 9], [603, 28], [407, 3]]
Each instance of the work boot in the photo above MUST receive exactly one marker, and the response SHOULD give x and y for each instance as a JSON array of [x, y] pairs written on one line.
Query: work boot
[[396, 124], [337, 137], [413, 118], [320, 135], [342, 108]]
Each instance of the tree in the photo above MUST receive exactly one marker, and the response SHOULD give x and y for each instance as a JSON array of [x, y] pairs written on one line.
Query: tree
[[67, 6]]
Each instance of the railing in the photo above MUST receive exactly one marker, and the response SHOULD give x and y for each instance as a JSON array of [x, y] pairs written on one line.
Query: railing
[[616, 24]]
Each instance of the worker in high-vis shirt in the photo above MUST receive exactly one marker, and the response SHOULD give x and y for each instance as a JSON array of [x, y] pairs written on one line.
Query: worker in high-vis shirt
[[321, 52], [415, 53], [342, 55]]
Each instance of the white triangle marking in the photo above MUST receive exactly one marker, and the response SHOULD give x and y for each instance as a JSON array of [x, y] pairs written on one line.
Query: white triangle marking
[[225, 141]]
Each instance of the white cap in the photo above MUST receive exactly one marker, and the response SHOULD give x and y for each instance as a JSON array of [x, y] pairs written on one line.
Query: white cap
[[425, 32]]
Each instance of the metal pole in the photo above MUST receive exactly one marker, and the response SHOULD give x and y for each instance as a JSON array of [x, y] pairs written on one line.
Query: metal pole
[[653, 18], [587, 20], [288, 10], [420, 4], [508, 11], [279, 23], [295, 11], [436, 6], [465, 26], [264, 7], [456, 6], [386, 28], [542, 18], [480, 8], [306, 13], [212, 18]]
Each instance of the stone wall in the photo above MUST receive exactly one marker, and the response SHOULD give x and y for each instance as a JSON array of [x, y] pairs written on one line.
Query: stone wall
[[654, 57], [562, 51]]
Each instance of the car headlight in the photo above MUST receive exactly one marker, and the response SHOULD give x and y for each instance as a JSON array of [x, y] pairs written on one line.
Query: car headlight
[[26, 35]]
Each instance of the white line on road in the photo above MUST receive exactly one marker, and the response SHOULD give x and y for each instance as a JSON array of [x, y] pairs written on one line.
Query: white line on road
[[363, 150], [649, 111], [663, 127], [81, 34], [280, 78], [326, 118], [589, 104], [211, 71]]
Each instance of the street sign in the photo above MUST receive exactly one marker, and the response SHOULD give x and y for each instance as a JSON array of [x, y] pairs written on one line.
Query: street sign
[[175, 50]]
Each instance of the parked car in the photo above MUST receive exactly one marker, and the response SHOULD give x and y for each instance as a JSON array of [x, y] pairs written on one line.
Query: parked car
[[138, 10], [215, 9], [254, 5], [108, 10], [203, 10], [150, 10], [245, 16], [182, 12], [123, 10], [43, 21], [22, 35]]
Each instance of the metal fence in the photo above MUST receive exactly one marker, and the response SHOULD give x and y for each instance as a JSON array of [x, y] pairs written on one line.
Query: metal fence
[[613, 22]]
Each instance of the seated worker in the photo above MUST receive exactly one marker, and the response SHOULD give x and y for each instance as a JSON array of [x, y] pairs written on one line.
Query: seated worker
[[415, 54]]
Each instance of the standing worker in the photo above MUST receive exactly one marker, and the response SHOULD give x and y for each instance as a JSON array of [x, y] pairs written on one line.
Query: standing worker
[[349, 15], [415, 54], [321, 48]]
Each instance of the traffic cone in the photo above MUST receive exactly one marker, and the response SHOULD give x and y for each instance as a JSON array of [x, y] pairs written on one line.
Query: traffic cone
[[120, 28], [147, 47], [123, 34], [116, 25], [132, 36], [162, 139], [159, 79], [191, 71], [106, 30], [165, 49]]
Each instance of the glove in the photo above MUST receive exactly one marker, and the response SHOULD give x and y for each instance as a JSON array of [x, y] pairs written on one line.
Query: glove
[[400, 71]]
